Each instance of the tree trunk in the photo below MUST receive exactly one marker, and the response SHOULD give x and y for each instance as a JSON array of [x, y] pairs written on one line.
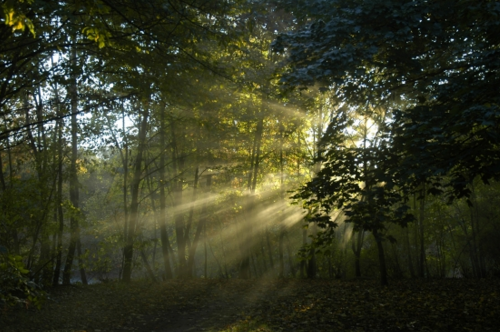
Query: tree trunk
[[59, 208], [247, 246], [477, 256], [165, 243], [201, 226], [281, 273], [149, 270], [270, 249], [205, 270], [422, 259], [2, 179], [81, 265], [187, 230], [281, 235], [312, 267], [290, 260], [381, 258], [45, 263], [357, 245], [178, 214], [303, 261], [73, 176], [133, 216], [408, 249], [125, 188]]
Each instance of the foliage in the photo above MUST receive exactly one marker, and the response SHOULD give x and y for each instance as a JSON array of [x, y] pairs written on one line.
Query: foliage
[[15, 286], [202, 183], [437, 60], [352, 179], [432, 67]]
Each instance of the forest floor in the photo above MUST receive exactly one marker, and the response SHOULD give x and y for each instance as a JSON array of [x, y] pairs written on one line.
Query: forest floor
[[265, 305]]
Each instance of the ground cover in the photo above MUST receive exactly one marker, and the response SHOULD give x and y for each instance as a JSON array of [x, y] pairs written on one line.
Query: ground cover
[[265, 305]]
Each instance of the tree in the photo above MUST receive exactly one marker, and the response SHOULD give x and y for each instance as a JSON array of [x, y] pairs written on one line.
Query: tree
[[215, 125], [437, 59], [352, 179], [429, 63]]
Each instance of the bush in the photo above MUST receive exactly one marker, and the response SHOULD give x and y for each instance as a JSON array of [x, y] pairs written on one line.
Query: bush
[[15, 285]]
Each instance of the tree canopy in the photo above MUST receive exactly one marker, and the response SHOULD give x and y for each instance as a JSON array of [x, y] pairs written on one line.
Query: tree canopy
[[432, 65], [435, 63]]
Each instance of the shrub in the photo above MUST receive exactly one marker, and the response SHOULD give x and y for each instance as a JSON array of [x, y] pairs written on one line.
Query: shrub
[[15, 285]]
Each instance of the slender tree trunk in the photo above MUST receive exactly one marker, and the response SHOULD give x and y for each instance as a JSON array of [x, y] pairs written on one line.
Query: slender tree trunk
[[37, 147], [59, 195], [290, 259], [312, 265], [303, 262], [165, 243], [134, 203], [408, 249], [205, 270], [81, 265], [281, 273], [178, 214], [422, 258], [478, 259], [149, 270], [247, 247], [73, 176], [159, 221], [381, 258], [45, 262], [11, 179], [201, 226], [189, 223], [245, 267], [281, 235], [263, 254], [253, 258], [258, 138], [269, 249], [357, 245], [125, 189], [2, 179], [196, 240]]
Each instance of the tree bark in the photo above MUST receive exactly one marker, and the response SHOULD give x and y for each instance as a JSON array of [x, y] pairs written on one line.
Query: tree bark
[[201, 226], [357, 245], [381, 258], [312, 266], [178, 214], [281, 235], [290, 261], [246, 245], [269, 249], [134, 203], [165, 243], [408, 249], [422, 258], [81, 265], [59, 195], [73, 176]]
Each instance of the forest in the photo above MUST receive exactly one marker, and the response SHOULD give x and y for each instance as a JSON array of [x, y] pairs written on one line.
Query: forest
[[319, 164]]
